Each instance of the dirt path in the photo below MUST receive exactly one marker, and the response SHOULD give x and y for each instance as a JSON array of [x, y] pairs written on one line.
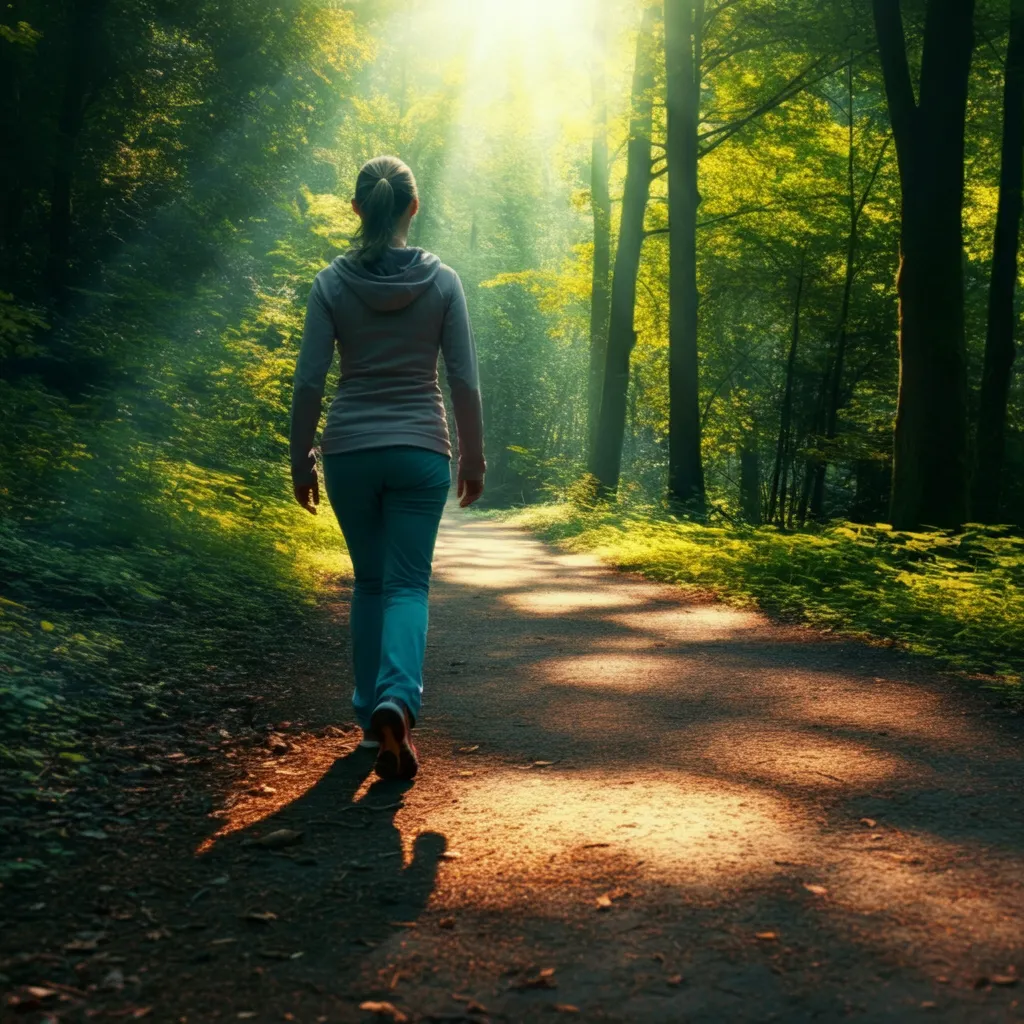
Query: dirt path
[[634, 806]]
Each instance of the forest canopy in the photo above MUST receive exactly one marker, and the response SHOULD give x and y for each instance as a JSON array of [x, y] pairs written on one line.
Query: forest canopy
[[738, 262]]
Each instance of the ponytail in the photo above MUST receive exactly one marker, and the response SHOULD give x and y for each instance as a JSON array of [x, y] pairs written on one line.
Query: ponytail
[[385, 188]]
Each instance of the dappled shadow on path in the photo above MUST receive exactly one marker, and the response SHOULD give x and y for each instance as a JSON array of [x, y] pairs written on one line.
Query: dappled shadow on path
[[634, 801], [863, 814]]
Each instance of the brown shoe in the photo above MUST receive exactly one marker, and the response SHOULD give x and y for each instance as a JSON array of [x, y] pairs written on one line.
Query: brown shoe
[[392, 727]]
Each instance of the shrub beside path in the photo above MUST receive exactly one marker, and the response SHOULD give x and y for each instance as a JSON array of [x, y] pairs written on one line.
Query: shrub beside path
[[635, 805]]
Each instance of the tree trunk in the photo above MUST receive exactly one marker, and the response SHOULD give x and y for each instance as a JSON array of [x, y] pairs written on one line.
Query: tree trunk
[[80, 70], [1000, 350], [930, 476], [606, 456], [684, 22], [785, 418], [750, 483], [834, 384], [601, 210]]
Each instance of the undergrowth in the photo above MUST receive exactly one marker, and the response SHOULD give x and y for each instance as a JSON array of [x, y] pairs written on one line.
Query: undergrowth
[[124, 596], [955, 596]]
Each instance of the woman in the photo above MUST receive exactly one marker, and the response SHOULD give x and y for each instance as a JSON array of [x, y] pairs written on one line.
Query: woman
[[391, 308]]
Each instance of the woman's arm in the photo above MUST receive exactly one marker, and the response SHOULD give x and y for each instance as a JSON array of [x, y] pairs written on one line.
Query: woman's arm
[[315, 357], [463, 375]]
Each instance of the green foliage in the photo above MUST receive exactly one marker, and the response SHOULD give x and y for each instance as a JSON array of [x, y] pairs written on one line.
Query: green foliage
[[146, 528], [959, 597]]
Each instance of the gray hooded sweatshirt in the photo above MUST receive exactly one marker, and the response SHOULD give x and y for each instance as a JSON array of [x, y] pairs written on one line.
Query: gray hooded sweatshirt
[[389, 322]]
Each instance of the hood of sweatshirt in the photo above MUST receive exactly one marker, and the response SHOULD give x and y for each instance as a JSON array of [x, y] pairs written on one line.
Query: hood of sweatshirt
[[399, 278]]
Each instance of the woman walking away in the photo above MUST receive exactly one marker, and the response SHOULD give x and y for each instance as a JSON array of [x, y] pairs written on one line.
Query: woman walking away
[[391, 308]]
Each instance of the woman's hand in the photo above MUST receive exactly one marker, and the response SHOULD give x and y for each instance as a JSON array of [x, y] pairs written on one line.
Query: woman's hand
[[308, 496], [469, 491]]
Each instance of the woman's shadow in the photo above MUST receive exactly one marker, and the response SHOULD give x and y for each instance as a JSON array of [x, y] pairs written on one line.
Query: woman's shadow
[[344, 888]]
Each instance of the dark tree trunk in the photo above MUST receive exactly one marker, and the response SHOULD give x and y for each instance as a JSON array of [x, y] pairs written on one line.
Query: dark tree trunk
[[872, 490], [684, 22], [606, 456], [1000, 349], [750, 483], [930, 473], [786, 416], [83, 59], [601, 210], [805, 491]]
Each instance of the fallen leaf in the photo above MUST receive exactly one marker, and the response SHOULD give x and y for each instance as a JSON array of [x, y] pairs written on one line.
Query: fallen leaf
[[818, 890], [450, 855], [278, 839], [277, 744], [245, 1014], [565, 1008], [604, 901], [674, 979], [1005, 979], [261, 916], [543, 764], [81, 946], [469, 750], [472, 1006], [38, 992], [543, 979], [766, 936], [385, 1010], [466, 774], [869, 822]]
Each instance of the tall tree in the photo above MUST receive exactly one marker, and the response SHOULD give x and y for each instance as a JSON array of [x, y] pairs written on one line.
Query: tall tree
[[606, 455], [83, 65], [701, 38], [930, 473], [684, 24], [832, 390], [1000, 349], [783, 449], [601, 211]]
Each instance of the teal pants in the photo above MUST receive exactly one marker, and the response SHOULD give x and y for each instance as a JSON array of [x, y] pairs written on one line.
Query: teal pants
[[388, 502]]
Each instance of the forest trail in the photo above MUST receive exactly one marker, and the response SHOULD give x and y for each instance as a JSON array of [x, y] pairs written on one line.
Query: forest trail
[[635, 805]]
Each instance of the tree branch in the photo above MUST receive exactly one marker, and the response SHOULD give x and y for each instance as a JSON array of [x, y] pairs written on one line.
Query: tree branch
[[795, 85], [871, 179], [899, 90]]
